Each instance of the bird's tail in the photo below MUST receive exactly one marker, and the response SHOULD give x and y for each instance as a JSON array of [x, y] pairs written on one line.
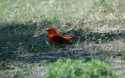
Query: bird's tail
[[69, 38]]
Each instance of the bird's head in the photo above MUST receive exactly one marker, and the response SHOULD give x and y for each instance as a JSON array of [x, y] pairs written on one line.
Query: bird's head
[[51, 31]]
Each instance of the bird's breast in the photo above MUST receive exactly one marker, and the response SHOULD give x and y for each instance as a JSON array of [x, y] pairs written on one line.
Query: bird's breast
[[50, 37]]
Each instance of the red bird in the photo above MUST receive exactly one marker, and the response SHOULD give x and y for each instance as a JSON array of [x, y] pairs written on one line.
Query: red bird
[[58, 39]]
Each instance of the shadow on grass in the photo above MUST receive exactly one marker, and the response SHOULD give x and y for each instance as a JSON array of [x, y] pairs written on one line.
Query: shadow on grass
[[97, 37], [75, 54], [105, 37], [16, 38]]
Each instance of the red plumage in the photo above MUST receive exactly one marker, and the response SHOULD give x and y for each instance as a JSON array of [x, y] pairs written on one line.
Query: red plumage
[[56, 38]]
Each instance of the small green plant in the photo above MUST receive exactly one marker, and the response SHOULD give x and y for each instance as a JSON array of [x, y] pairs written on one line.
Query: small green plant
[[79, 69]]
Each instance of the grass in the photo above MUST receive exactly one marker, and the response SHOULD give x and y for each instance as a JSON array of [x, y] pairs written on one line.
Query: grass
[[98, 26]]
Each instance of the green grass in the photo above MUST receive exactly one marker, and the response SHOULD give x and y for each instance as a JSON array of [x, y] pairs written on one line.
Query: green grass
[[98, 26]]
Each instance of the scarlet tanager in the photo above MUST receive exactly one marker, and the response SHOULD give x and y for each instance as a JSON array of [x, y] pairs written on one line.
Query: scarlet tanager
[[58, 39]]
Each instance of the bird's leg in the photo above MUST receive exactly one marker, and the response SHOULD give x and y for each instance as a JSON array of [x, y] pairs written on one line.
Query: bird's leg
[[53, 46], [60, 46]]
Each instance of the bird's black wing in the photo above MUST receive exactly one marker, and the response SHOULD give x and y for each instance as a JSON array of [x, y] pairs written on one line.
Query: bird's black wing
[[60, 40]]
